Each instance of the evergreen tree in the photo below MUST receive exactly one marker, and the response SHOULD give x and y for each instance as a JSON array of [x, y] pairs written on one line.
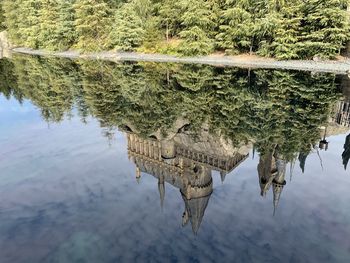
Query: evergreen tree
[[49, 19], [236, 30], [277, 28], [10, 8], [93, 24], [8, 82], [128, 32], [325, 28], [143, 9], [66, 31], [198, 21], [152, 34], [285, 44], [169, 11], [29, 22]]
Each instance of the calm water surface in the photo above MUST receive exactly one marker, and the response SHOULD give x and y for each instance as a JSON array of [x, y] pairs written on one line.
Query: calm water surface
[[144, 162]]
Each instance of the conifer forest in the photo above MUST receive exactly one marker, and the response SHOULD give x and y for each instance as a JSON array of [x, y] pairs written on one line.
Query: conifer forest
[[293, 29]]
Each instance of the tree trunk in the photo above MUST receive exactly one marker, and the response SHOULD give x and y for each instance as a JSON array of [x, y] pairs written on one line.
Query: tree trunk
[[167, 31], [251, 47], [168, 77]]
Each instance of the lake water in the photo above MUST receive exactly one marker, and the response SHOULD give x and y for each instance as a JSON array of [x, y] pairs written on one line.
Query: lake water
[[146, 162]]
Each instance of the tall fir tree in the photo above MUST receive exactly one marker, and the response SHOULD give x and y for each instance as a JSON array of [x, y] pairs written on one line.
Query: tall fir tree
[[169, 18], [93, 23], [325, 28], [198, 22], [285, 44], [10, 8], [49, 19], [29, 22], [66, 30], [236, 30], [128, 32]]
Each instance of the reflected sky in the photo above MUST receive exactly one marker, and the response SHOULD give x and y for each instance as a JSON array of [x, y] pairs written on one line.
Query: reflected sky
[[69, 194], [77, 200]]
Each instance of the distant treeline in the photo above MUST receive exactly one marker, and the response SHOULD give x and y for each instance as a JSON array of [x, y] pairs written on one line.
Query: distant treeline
[[292, 29]]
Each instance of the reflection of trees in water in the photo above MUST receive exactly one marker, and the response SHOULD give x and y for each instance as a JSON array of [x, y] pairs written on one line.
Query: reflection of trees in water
[[184, 121], [267, 107], [48, 83], [8, 81]]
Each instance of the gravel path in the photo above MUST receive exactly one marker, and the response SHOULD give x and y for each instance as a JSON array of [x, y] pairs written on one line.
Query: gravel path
[[339, 67]]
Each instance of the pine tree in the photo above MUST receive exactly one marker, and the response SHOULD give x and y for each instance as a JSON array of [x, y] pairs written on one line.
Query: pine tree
[[325, 28], [128, 32], [29, 22], [198, 22], [92, 24], [143, 9], [285, 44], [169, 17], [49, 19], [152, 34], [236, 30], [66, 31], [11, 22]]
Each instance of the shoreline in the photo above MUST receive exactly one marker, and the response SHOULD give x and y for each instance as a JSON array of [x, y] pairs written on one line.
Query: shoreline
[[242, 61]]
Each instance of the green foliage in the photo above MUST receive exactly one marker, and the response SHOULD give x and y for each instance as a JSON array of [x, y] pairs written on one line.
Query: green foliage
[[8, 81], [152, 34], [29, 22], [236, 30], [325, 28], [48, 34], [285, 43], [168, 13], [198, 21], [93, 24], [267, 107], [128, 30], [2, 18], [294, 29], [65, 31], [10, 8]]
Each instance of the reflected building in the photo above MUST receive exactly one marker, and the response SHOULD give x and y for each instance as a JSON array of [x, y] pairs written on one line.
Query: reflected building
[[272, 172], [341, 117], [341, 109], [182, 166], [342, 113]]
